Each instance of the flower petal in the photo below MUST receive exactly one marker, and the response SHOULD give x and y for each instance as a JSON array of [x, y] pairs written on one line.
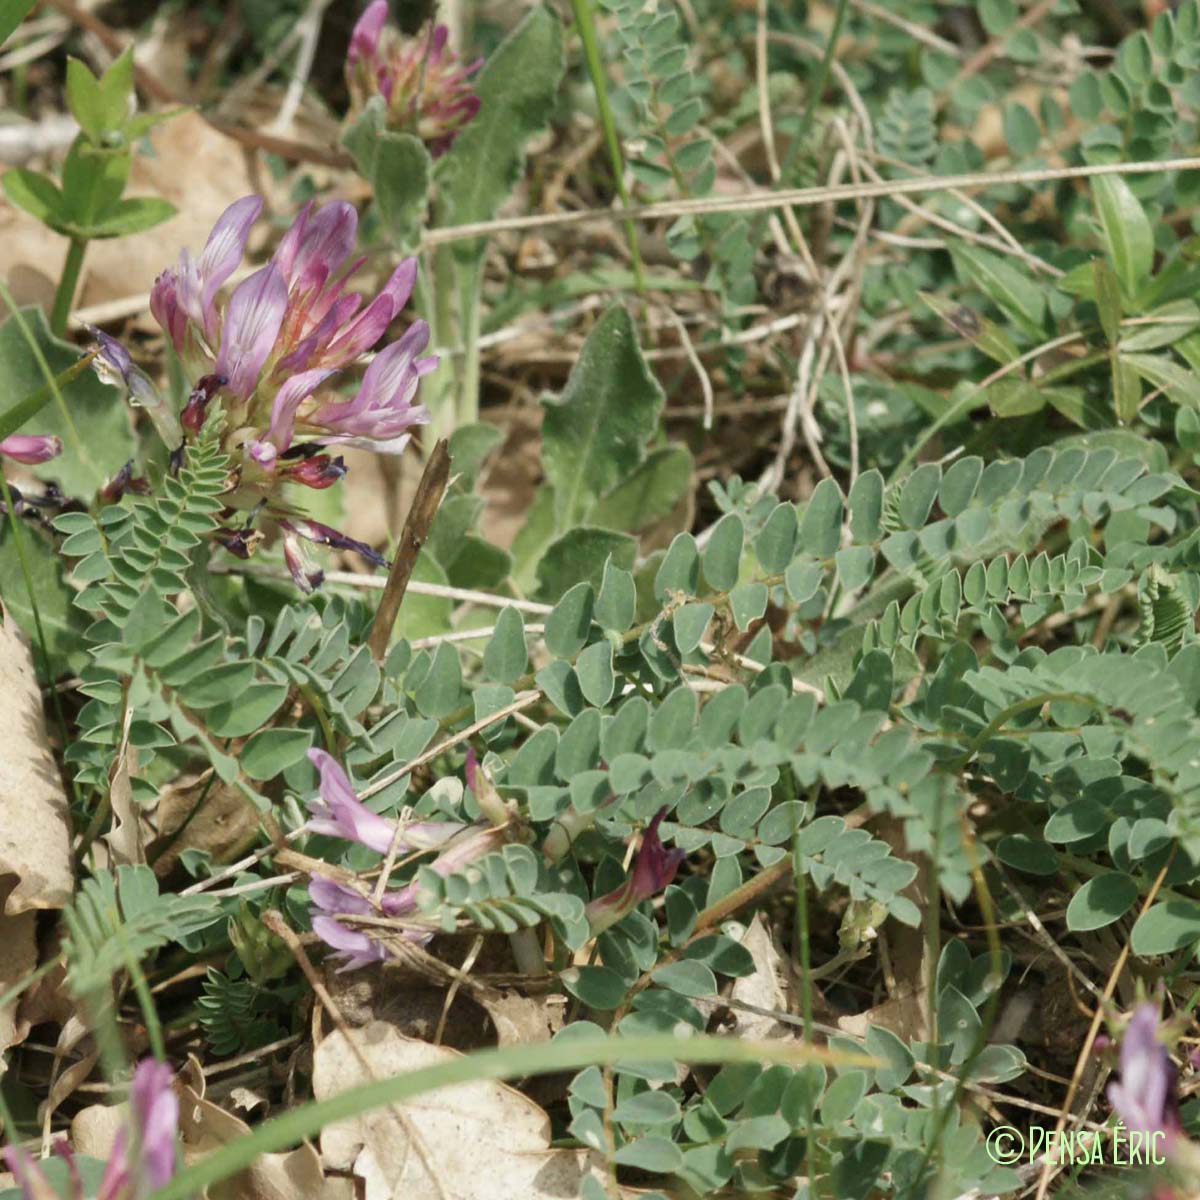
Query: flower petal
[[364, 41], [252, 322], [287, 400], [223, 252]]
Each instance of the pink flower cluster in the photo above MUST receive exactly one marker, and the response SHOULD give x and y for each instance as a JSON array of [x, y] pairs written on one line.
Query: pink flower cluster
[[269, 353], [425, 89], [137, 1166]]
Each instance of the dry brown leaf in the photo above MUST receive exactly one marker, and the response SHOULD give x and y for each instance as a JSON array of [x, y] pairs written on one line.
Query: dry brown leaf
[[35, 822], [902, 1014], [204, 1126], [224, 824], [124, 839], [18, 956], [94, 1129], [487, 1140], [766, 988]]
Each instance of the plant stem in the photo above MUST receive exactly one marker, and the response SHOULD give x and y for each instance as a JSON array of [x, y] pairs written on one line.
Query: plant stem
[[67, 285], [470, 277], [595, 65]]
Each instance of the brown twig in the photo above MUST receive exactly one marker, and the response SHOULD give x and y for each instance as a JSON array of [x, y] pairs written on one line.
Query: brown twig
[[416, 529]]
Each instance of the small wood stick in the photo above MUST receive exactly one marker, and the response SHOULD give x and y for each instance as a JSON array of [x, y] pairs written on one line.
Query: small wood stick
[[416, 530]]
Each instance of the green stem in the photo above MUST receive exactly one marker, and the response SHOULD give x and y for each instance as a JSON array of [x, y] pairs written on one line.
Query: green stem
[[146, 1002], [595, 64], [67, 285], [470, 276]]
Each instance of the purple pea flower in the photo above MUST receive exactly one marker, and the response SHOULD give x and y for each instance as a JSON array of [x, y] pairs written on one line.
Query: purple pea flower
[[324, 535], [357, 947], [31, 448], [267, 354], [137, 1166], [653, 869], [424, 88], [382, 411], [338, 812], [1146, 1097]]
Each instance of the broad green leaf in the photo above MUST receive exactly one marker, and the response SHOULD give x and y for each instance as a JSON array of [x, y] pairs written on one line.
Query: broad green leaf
[[1180, 384], [517, 89], [655, 1154], [12, 13], [616, 605], [1128, 237], [1008, 287], [648, 493], [506, 657], [776, 543], [62, 622], [37, 194], [567, 626], [1166, 927], [1021, 130], [116, 91], [1108, 299], [986, 335], [1127, 389], [959, 482], [440, 692], [690, 622], [594, 435], [688, 978], [579, 556], [85, 100], [95, 427], [722, 556], [250, 711], [398, 168], [1165, 326], [1101, 901], [821, 524], [594, 670], [866, 506], [271, 751], [680, 569], [134, 214], [600, 988], [647, 1108]]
